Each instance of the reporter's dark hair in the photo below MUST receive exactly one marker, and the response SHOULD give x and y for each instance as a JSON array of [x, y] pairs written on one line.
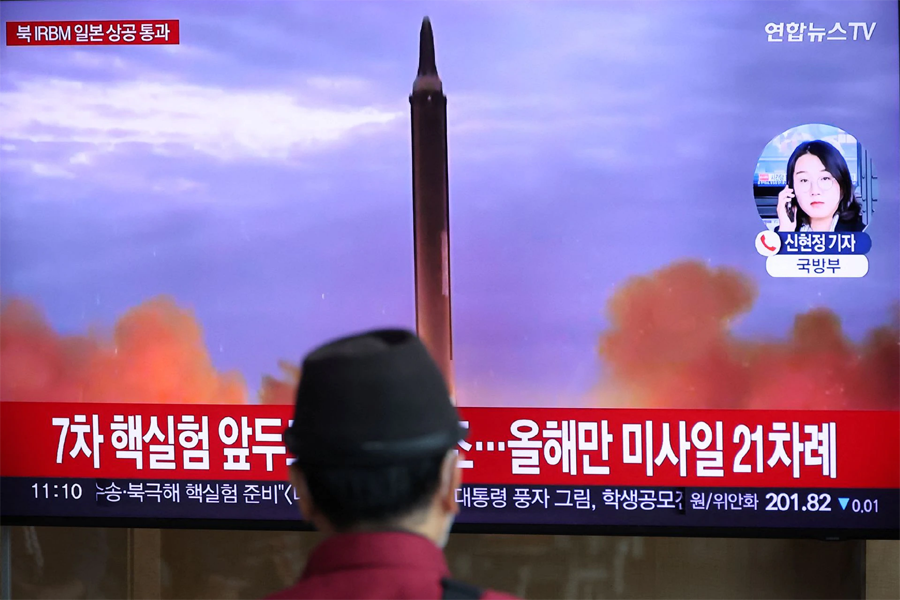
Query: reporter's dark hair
[[848, 209], [352, 496]]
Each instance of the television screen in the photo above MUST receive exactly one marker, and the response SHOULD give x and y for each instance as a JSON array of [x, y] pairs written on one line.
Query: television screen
[[655, 251]]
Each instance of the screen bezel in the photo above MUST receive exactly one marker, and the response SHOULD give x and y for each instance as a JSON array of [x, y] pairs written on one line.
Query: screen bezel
[[826, 534]]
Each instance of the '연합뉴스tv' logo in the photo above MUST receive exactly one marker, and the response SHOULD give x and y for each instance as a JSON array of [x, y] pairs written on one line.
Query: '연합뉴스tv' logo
[[808, 32]]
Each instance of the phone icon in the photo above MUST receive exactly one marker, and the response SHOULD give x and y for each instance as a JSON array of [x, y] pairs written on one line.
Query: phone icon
[[770, 246]]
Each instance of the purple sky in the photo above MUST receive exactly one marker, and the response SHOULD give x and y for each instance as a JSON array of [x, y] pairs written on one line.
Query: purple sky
[[260, 172]]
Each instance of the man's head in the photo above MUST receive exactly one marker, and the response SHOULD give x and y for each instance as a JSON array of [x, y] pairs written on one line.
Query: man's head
[[374, 434]]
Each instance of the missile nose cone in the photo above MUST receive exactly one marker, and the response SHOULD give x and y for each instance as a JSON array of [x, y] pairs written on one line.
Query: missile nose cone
[[427, 64], [427, 76]]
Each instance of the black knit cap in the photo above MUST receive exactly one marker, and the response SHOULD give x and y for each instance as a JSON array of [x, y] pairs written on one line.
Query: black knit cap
[[375, 398]]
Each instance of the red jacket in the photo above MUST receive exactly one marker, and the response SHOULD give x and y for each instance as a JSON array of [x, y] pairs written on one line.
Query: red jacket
[[375, 565]]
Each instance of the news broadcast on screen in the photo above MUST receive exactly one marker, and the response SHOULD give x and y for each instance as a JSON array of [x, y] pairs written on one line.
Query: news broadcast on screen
[[655, 254]]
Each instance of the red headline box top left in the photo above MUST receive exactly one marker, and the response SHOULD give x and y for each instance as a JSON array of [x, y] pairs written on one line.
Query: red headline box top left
[[92, 33]]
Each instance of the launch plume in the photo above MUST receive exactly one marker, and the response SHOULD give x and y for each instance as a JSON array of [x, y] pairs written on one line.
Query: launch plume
[[155, 354], [280, 391], [670, 344]]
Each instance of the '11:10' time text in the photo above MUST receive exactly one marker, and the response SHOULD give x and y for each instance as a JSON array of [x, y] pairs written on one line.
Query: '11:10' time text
[[62, 490]]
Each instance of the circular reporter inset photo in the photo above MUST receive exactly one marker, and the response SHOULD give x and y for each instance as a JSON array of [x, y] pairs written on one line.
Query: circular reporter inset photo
[[815, 178]]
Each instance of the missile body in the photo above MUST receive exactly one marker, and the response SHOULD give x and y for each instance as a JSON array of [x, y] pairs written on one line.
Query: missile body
[[431, 214]]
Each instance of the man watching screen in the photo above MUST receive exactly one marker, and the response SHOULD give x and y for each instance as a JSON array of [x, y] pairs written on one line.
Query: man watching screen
[[374, 436]]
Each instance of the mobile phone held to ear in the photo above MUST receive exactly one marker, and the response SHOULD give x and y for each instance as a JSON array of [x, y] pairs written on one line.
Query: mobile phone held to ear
[[790, 206]]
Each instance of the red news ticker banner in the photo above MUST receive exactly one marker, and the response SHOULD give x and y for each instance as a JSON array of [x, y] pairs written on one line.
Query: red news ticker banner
[[91, 33], [690, 448]]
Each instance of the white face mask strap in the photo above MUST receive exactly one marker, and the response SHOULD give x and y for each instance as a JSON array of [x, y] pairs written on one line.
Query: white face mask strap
[[447, 468], [447, 471]]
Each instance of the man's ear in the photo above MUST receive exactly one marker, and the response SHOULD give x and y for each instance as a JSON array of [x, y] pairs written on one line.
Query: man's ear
[[451, 480], [304, 500]]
